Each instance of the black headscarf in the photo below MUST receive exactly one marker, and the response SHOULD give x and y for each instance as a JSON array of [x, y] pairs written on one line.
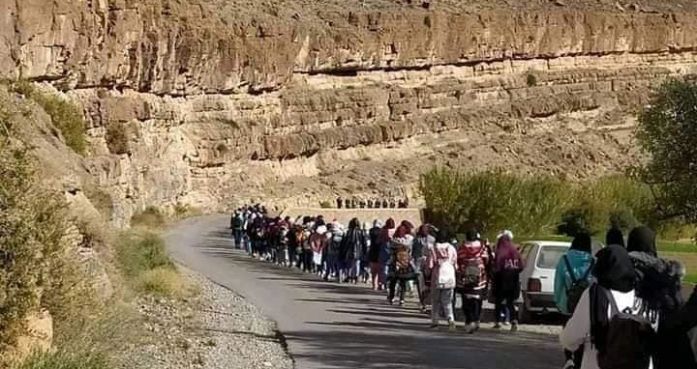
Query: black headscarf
[[582, 242], [614, 237], [642, 239], [614, 271], [471, 235], [443, 236]]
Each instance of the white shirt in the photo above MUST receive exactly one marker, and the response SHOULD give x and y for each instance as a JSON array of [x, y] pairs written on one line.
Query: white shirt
[[578, 329]]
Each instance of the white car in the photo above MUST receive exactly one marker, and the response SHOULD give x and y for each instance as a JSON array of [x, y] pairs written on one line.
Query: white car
[[537, 279]]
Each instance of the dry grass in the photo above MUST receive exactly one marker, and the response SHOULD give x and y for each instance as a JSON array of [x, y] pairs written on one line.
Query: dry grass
[[166, 282]]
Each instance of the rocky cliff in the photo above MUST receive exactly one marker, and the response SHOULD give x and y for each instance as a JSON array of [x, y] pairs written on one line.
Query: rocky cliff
[[223, 101]]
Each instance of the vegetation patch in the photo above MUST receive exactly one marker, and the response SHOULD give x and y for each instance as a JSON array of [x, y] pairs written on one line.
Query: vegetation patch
[[64, 360], [152, 217], [66, 116], [535, 205], [143, 260], [117, 139], [183, 211]]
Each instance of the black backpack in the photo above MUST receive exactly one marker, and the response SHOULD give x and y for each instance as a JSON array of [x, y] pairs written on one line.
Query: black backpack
[[577, 287], [630, 336]]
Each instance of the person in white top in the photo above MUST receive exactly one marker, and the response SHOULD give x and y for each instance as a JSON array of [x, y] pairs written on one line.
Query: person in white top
[[614, 271]]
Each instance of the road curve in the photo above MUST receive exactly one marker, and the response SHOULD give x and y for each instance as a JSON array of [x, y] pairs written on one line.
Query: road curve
[[339, 326]]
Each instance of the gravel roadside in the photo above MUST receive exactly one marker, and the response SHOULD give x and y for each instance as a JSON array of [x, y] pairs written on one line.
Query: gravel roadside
[[216, 329]]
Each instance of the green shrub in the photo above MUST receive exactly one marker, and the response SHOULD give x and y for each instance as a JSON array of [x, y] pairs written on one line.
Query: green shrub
[[325, 204], [531, 80], [611, 201], [492, 201], [144, 262], [138, 252], [117, 139], [535, 205], [37, 269], [63, 360], [151, 217], [65, 116]]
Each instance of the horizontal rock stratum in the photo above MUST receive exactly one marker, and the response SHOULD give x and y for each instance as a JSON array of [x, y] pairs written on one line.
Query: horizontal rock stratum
[[295, 101]]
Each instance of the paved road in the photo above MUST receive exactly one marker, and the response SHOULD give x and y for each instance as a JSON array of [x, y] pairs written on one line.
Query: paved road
[[340, 326]]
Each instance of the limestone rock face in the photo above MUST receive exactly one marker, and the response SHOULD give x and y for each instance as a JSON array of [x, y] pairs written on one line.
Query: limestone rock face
[[287, 102]]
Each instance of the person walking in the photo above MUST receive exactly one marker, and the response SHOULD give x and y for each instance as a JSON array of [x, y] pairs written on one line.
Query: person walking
[[597, 325], [507, 268], [318, 245], [658, 283], [401, 265], [572, 277], [423, 242], [385, 238], [374, 253], [353, 247], [472, 281], [333, 267], [442, 262]]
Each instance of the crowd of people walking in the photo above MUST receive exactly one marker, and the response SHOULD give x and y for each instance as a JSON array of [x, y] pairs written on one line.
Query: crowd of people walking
[[624, 304]]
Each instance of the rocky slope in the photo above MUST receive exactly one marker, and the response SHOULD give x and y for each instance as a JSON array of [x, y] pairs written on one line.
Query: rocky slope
[[226, 101]]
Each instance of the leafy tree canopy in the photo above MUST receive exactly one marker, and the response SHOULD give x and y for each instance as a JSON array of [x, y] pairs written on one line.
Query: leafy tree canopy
[[667, 131]]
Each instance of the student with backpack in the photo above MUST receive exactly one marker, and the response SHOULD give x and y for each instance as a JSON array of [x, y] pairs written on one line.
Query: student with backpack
[[442, 263], [658, 283], [614, 326], [573, 276], [401, 266], [472, 281], [508, 265]]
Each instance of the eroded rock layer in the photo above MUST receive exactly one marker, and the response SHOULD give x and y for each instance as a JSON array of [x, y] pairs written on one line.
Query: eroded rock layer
[[297, 100]]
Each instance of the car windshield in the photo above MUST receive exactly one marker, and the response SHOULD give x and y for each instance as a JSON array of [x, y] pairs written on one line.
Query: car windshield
[[550, 255]]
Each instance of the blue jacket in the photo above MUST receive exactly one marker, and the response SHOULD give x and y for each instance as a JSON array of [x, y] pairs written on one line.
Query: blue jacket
[[580, 262]]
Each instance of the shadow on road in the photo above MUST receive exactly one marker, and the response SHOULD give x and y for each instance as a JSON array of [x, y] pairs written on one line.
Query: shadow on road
[[351, 326]]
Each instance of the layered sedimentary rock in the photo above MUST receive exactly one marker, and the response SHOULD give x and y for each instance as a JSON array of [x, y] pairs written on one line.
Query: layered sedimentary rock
[[226, 101]]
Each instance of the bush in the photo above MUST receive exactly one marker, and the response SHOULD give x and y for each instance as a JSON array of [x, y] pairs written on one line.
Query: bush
[[325, 204], [611, 201], [531, 80], [151, 217], [162, 281], [492, 201], [182, 211], [140, 252], [65, 116], [534, 205], [144, 262], [117, 139], [32, 245]]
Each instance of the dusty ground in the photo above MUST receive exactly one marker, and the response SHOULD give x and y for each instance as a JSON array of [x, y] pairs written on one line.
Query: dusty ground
[[216, 329]]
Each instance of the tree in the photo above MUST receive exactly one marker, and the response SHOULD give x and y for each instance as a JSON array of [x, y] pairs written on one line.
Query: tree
[[667, 131]]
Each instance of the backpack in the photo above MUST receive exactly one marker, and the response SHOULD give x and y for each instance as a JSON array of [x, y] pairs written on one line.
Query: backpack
[[402, 257], [446, 274], [578, 285], [630, 336], [472, 272], [237, 223]]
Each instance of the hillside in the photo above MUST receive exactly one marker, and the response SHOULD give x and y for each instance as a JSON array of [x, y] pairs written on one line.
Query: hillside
[[212, 103]]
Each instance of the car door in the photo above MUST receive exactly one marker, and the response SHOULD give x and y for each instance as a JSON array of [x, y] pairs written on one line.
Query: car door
[[546, 265], [528, 253]]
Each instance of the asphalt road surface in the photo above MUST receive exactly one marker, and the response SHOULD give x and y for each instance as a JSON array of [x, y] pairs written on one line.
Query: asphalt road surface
[[327, 325]]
